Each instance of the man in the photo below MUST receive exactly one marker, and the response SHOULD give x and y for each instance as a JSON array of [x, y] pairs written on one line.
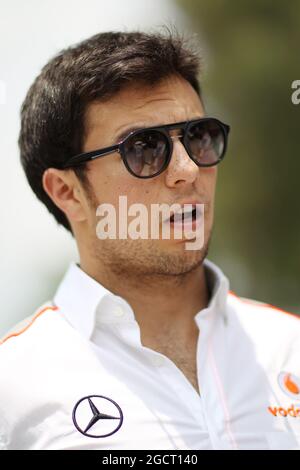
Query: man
[[143, 345]]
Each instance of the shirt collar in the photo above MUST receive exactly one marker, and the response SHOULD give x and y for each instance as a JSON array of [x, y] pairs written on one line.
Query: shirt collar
[[83, 300], [219, 286]]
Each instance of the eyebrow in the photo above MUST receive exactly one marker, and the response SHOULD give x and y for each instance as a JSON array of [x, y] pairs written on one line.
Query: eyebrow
[[136, 127]]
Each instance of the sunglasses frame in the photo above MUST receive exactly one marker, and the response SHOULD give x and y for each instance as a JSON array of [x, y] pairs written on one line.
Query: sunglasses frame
[[163, 129]]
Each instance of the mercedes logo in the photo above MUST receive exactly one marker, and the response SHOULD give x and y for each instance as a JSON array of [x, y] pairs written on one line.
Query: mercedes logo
[[101, 415]]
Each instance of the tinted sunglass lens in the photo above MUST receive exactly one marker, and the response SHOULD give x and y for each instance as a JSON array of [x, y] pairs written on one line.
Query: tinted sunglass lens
[[206, 142], [146, 152]]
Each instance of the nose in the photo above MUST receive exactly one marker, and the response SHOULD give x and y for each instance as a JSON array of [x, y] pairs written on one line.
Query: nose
[[181, 169]]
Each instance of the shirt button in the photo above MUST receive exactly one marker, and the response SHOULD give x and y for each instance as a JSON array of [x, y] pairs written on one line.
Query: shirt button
[[157, 361], [119, 312]]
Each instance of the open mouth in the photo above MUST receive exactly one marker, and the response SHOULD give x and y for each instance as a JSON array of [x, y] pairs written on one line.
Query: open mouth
[[186, 215], [186, 223], [188, 218]]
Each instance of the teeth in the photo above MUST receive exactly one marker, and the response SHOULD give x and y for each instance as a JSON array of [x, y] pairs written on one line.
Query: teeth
[[185, 210], [185, 214], [188, 211]]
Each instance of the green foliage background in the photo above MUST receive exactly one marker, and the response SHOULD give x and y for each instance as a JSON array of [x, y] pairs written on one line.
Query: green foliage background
[[253, 52]]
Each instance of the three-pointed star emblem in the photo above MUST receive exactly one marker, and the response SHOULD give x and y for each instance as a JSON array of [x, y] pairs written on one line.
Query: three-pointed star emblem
[[101, 409]]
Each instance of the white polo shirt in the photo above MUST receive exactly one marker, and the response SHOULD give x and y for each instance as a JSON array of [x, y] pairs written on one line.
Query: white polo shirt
[[76, 376]]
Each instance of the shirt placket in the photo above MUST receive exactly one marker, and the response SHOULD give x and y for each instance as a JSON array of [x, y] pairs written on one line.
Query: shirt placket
[[212, 356]]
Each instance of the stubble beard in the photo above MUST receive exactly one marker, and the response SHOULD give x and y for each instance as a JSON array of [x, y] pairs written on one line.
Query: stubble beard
[[136, 258], [146, 258]]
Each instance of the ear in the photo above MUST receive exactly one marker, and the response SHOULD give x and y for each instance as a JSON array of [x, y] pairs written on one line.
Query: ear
[[64, 190]]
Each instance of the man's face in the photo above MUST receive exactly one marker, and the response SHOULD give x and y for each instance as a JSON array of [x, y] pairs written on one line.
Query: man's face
[[173, 100]]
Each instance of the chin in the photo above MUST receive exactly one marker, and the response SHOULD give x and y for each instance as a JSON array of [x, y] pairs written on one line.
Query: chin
[[174, 262]]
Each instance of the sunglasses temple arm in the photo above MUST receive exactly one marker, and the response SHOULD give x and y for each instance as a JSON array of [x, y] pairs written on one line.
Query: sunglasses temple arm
[[85, 157]]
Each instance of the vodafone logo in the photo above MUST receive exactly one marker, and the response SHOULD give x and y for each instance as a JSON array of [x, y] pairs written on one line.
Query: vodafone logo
[[289, 384], [292, 411]]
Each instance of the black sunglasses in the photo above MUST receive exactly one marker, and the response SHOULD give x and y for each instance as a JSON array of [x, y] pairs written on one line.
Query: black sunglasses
[[147, 152]]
